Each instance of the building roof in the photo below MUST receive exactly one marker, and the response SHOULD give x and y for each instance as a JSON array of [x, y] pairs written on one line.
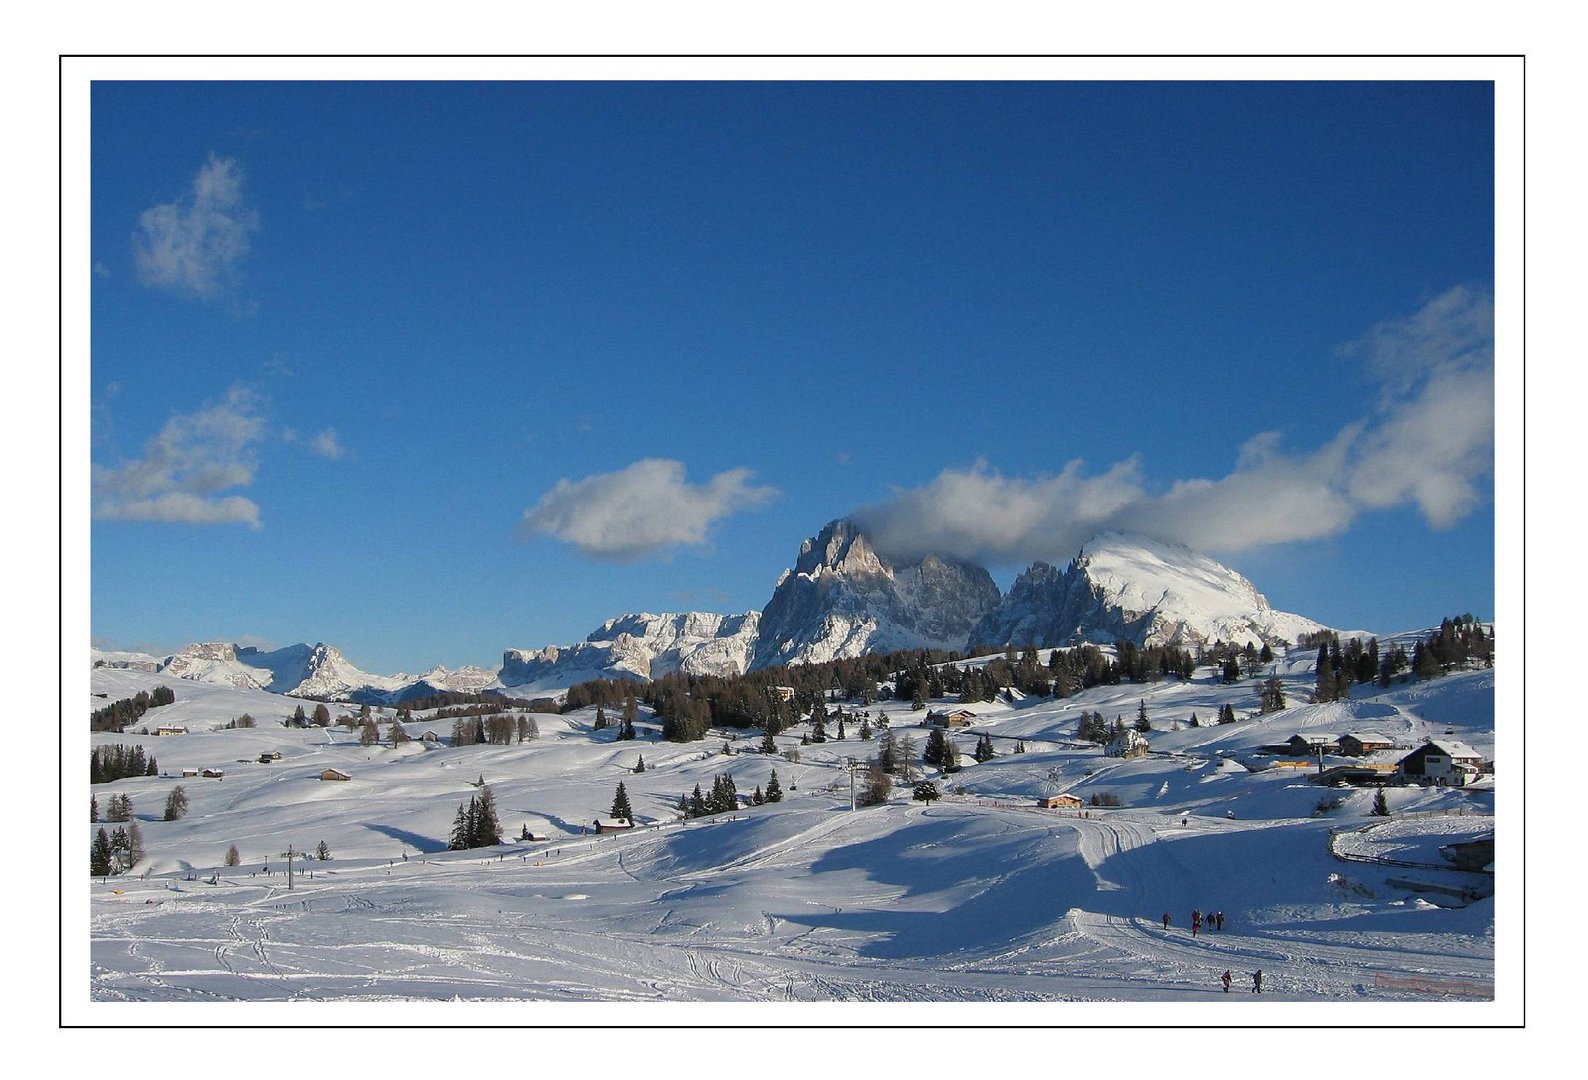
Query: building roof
[[1366, 737], [1451, 748]]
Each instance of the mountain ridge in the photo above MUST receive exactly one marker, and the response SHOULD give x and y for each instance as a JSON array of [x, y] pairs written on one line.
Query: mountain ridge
[[842, 598]]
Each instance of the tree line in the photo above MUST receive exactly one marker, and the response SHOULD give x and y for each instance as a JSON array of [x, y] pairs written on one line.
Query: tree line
[[118, 761], [119, 714]]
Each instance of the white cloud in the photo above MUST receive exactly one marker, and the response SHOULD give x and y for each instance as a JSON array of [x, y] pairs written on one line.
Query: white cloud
[[186, 467], [1429, 444], [326, 445], [193, 245], [640, 510], [979, 515]]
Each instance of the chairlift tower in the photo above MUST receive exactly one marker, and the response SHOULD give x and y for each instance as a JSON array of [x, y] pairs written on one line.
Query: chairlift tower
[[289, 855]]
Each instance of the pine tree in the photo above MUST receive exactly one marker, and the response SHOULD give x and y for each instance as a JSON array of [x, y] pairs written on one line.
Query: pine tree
[[757, 799], [1020, 747], [878, 787], [768, 744], [93, 808], [233, 857], [1272, 695], [322, 715], [1380, 805], [99, 855], [154, 767], [487, 828], [120, 849], [925, 792], [639, 766], [621, 810], [1143, 724], [774, 791], [460, 831], [134, 844], [697, 804], [865, 729], [984, 749], [299, 717], [322, 851], [175, 804]]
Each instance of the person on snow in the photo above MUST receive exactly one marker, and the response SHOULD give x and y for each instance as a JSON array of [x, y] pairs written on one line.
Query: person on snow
[[1226, 979], [1219, 918], [1166, 920], [1257, 981]]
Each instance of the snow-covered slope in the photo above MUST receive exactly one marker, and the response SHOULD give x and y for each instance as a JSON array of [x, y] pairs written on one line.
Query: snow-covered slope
[[842, 599], [1131, 587], [642, 646], [979, 896]]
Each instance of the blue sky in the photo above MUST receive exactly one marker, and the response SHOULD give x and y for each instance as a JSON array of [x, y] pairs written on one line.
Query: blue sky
[[430, 370]]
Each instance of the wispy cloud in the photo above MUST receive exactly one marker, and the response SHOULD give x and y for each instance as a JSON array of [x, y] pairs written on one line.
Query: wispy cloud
[[327, 445], [193, 245], [187, 467], [1430, 443], [640, 510]]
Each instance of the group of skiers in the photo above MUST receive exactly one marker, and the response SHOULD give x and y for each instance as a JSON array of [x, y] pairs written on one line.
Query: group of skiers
[[1214, 920], [1257, 981]]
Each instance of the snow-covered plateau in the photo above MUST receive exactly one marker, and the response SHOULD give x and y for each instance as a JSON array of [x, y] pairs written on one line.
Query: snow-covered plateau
[[981, 895]]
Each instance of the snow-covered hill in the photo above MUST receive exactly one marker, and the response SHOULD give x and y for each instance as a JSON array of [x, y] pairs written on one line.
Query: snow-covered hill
[[1138, 589], [843, 599], [981, 895]]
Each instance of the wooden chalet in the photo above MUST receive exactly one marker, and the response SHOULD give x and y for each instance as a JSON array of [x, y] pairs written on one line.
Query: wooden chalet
[[213, 774], [612, 826], [957, 718], [1060, 802], [1442, 761], [1311, 744], [335, 774], [170, 729], [1359, 744]]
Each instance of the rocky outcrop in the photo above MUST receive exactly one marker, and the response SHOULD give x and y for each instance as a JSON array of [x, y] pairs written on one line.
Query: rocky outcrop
[[639, 646], [843, 599]]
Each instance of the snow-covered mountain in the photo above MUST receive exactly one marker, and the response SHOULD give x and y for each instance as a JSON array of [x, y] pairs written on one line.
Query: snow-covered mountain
[[842, 599], [642, 646], [1131, 587], [300, 670]]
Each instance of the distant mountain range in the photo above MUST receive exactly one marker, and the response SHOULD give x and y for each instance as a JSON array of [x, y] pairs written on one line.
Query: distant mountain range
[[841, 599]]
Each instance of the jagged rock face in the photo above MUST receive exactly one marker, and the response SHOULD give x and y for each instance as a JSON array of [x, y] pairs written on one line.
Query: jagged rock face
[[1131, 588], [843, 599], [469, 679], [641, 646]]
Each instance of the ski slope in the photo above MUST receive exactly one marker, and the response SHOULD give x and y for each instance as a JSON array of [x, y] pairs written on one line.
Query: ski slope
[[978, 897]]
